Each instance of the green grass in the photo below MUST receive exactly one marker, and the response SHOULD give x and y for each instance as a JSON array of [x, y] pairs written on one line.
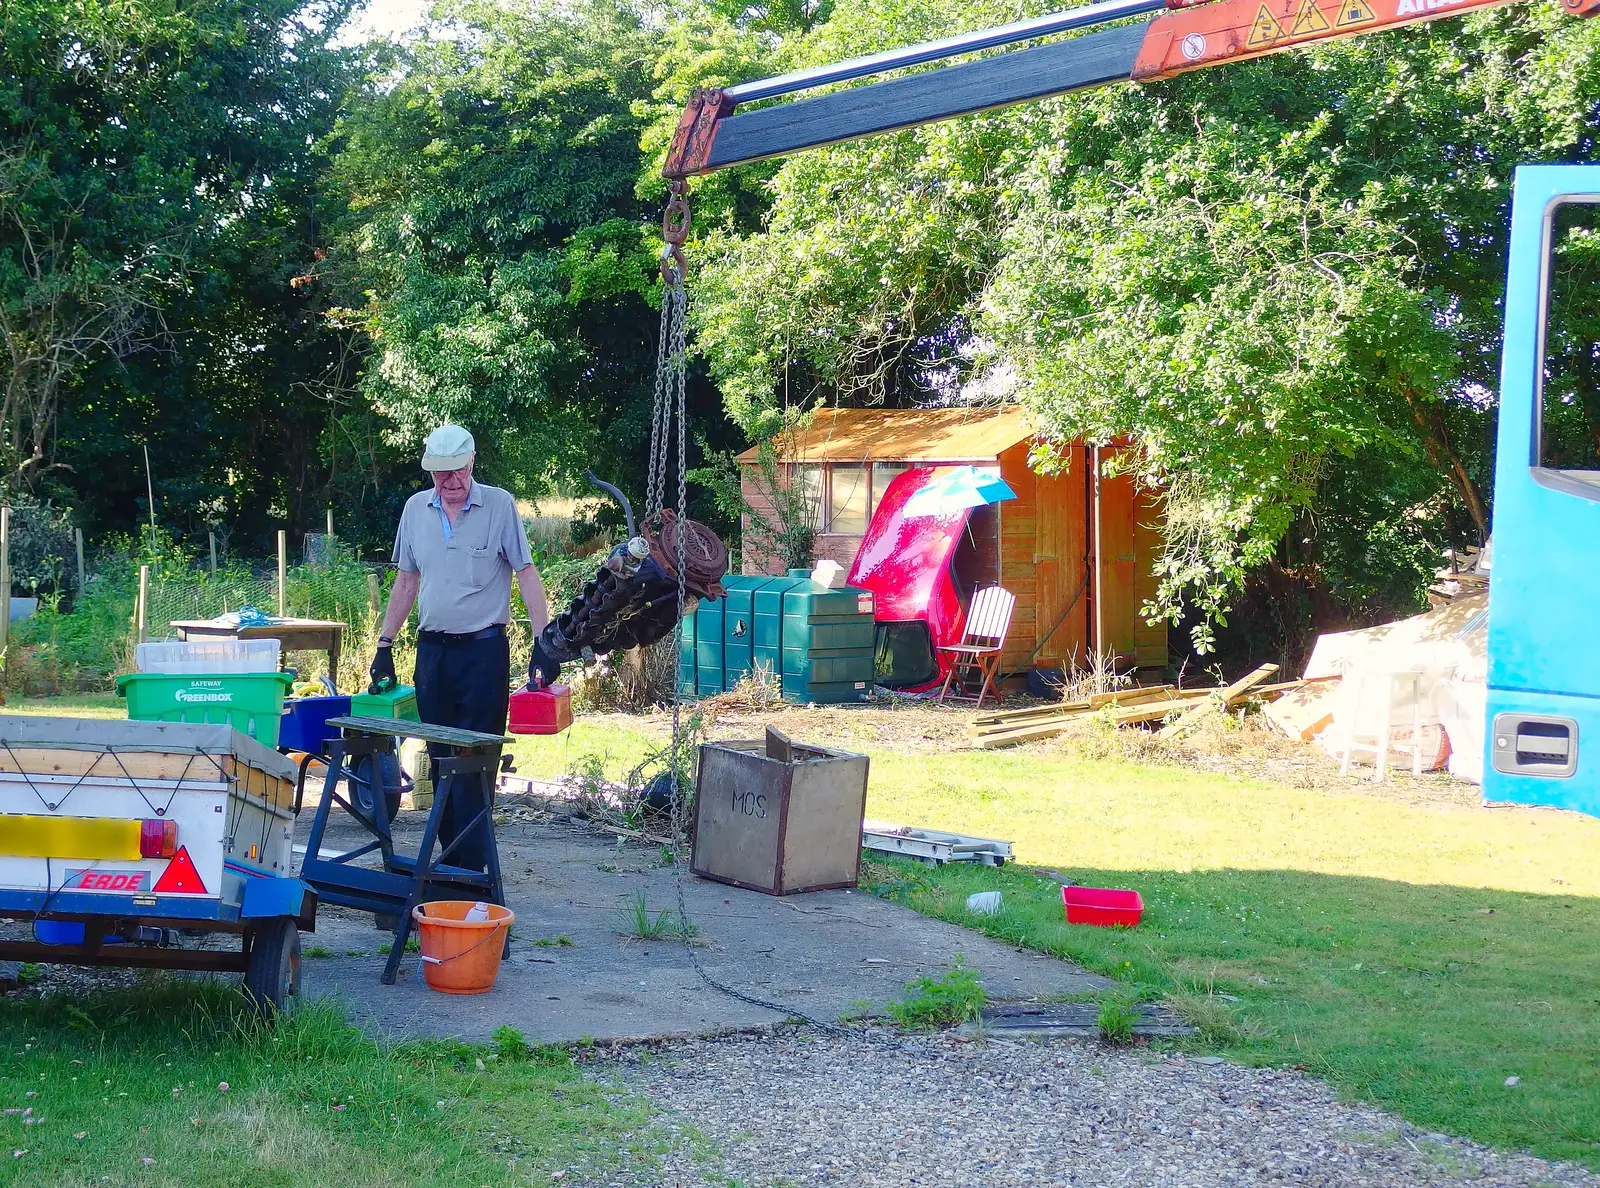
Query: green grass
[[545, 757], [89, 705], [637, 920], [126, 1088], [1355, 931]]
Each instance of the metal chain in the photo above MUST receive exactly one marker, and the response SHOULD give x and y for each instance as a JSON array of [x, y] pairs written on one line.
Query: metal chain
[[672, 404], [652, 490]]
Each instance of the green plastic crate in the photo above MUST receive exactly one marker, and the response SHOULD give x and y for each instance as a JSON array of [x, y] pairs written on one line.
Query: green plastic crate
[[250, 702], [399, 702]]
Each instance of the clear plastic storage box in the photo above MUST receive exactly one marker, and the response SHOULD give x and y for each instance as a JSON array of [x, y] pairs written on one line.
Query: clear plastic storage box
[[211, 657]]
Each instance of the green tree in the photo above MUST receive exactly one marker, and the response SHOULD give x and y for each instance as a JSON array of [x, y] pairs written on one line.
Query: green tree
[[159, 185], [496, 255]]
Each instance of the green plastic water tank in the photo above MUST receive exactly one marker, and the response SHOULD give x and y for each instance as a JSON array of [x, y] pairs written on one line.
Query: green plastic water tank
[[688, 685], [818, 642], [828, 641], [738, 626]]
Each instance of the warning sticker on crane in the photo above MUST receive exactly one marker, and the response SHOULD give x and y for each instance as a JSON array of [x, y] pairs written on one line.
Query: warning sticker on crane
[[1266, 29], [1309, 20], [1354, 12]]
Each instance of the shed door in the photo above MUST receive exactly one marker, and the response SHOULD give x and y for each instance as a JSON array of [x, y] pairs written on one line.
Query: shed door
[[1116, 603], [1058, 560]]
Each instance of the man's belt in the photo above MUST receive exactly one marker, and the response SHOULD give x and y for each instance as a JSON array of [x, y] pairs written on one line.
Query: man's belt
[[445, 637]]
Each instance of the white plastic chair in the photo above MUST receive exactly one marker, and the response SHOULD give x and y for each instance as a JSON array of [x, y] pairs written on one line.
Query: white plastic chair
[[1385, 684]]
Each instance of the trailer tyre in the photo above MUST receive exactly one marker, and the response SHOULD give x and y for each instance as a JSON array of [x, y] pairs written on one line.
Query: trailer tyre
[[273, 974]]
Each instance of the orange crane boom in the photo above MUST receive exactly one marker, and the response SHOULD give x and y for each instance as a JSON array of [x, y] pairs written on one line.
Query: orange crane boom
[[713, 134]]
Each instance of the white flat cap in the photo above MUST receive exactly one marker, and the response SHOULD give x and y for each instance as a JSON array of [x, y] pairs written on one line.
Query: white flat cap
[[449, 447]]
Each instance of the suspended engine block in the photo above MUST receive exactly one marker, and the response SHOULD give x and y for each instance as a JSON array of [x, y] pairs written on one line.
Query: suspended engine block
[[632, 600]]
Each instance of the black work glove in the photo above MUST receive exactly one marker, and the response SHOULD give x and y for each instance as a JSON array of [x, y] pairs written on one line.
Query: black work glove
[[382, 670], [543, 669]]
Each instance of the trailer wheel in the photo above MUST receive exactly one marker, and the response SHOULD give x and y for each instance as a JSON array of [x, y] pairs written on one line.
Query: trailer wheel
[[273, 975]]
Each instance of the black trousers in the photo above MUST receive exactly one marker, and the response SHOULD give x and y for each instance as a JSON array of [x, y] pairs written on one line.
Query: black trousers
[[466, 685]]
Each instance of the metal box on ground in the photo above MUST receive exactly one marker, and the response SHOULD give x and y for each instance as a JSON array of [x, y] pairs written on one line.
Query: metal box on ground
[[252, 703], [779, 824]]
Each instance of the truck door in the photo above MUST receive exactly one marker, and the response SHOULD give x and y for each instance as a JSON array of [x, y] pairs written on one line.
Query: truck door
[[1543, 736]]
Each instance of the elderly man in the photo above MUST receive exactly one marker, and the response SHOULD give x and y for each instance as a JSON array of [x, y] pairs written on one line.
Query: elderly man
[[457, 548]]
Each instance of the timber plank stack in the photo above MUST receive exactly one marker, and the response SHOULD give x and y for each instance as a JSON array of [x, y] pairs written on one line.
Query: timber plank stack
[[1187, 709]]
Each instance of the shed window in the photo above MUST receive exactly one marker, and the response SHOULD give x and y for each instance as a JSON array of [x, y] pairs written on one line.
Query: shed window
[[809, 476], [848, 498], [884, 473]]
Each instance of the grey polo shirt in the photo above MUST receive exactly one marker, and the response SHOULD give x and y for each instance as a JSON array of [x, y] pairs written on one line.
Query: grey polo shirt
[[466, 576]]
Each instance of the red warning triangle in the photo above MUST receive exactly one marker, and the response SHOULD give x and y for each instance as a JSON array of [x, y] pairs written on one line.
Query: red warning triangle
[[180, 877]]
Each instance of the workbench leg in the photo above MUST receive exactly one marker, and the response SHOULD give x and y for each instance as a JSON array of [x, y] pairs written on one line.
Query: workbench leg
[[330, 785], [333, 665], [496, 889], [430, 834]]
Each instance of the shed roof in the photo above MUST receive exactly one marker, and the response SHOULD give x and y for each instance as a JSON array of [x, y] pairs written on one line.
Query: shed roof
[[906, 434]]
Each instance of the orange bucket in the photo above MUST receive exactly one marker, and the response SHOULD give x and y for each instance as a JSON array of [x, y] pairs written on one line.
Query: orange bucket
[[461, 955]]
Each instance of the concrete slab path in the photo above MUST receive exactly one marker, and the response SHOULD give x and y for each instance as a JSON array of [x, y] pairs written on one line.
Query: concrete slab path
[[822, 953]]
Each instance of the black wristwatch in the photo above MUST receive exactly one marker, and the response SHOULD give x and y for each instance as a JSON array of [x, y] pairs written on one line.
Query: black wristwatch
[[384, 641]]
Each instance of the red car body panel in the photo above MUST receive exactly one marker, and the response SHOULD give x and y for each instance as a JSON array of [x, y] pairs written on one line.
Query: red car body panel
[[906, 563]]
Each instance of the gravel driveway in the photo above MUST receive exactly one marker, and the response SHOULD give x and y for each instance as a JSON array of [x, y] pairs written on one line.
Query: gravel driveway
[[801, 1110]]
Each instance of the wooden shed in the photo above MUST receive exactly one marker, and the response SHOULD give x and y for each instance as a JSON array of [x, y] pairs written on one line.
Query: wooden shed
[[1076, 549]]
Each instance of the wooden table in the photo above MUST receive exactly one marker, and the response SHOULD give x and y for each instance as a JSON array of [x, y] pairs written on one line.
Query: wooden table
[[294, 635]]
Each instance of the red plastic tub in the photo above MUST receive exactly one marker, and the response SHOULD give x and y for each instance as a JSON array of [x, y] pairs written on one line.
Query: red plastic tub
[[1102, 905], [541, 711]]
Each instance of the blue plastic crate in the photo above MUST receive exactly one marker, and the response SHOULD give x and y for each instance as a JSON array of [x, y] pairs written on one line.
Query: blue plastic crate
[[305, 722]]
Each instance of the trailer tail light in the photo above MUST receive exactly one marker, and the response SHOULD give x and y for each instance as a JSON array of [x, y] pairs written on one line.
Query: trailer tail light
[[158, 839]]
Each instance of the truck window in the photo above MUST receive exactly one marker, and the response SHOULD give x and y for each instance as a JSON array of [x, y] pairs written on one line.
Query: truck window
[[1569, 435]]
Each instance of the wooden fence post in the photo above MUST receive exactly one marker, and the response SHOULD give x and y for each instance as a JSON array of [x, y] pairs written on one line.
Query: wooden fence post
[[330, 523], [213, 555], [283, 574], [83, 574], [374, 594], [5, 578], [144, 603]]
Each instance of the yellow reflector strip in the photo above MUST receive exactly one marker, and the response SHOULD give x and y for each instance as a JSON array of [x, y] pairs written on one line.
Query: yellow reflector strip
[[68, 837]]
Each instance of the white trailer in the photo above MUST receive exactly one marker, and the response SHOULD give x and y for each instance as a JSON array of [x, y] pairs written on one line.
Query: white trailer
[[119, 840]]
